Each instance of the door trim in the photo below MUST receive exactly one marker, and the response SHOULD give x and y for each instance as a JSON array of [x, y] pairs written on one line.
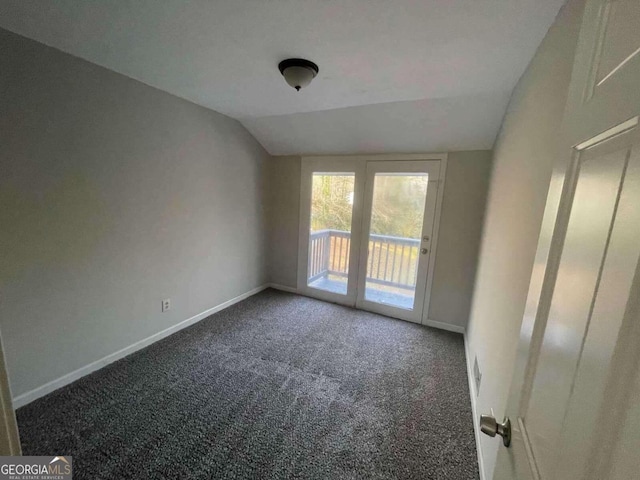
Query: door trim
[[358, 163], [434, 242]]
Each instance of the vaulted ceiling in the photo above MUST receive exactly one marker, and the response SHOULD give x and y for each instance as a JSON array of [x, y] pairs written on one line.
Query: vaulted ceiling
[[400, 75]]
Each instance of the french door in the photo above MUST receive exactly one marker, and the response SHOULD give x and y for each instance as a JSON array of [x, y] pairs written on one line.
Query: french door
[[367, 232]]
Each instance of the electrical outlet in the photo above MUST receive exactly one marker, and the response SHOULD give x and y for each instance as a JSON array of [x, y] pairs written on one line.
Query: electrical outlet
[[166, 305], [477, 375]]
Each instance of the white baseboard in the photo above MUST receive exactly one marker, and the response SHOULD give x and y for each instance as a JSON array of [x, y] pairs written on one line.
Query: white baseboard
[[430, 323], [444, 326], [31, 395], [474, 408], [284, 288]]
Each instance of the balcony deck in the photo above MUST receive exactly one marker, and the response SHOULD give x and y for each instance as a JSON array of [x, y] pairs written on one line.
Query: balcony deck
[[378, 293], [391, 266]]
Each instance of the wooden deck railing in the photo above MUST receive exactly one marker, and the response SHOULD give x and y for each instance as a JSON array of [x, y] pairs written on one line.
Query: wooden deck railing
[[391, 261]]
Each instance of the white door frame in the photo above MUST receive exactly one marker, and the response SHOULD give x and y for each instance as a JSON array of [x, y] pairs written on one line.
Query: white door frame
[[357, 164], [9, 435]]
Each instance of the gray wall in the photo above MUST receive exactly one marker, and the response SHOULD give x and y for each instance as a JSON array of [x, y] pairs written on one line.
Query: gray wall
[[525, 152], [113, 196], [458, 242]]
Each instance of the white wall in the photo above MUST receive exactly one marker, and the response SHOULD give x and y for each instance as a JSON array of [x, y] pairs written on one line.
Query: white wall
[[458, 242], [113, 196], [525, 152]]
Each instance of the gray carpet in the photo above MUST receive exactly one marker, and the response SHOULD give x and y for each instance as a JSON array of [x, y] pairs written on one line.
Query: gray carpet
[[277, 386]]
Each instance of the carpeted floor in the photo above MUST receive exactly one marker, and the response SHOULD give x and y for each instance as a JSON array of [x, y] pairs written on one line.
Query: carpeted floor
[[277, 386]]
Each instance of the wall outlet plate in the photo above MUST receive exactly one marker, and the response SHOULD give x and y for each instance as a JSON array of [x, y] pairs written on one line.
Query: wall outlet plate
[[166, 305], [477, 376]]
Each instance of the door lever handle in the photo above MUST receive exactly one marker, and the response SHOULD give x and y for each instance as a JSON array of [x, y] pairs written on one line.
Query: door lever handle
[[490, 426]]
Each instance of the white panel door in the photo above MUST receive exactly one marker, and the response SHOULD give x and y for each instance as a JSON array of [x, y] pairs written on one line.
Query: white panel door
[[584, 346], [574, 398]]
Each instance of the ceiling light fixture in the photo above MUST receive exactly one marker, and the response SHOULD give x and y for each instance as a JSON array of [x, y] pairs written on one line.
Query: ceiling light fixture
[[298, 72]]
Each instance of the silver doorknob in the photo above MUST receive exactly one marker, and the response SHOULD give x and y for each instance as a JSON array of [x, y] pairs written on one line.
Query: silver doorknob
[[490, 426], [424, 251]]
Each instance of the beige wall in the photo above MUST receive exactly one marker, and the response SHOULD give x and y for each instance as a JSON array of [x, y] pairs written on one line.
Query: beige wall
[[525, 152], [463, 206], [113, 196], [458, 242], [283, 208]]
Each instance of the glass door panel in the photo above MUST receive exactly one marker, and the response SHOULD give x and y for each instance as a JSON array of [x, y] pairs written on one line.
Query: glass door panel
[[398, 217], [332, 197], [397, 213]]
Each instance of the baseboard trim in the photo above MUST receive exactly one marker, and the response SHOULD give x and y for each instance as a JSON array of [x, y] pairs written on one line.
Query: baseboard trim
[[28, 397], [445, 326], [429, 323], [283, 288], [474, 408]]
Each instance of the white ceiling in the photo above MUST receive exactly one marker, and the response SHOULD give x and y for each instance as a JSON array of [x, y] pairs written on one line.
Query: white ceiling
[[223, 54], [432, 125]]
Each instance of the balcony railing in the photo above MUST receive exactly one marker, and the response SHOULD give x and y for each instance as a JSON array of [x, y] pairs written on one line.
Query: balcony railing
[[392, 261]]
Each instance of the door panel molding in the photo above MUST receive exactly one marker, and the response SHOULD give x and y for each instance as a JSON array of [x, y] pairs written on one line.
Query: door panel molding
[[535, 474], [619, 333], [606, 68]]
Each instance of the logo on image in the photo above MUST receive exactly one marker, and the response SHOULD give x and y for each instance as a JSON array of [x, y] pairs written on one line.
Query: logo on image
[[36, 468]]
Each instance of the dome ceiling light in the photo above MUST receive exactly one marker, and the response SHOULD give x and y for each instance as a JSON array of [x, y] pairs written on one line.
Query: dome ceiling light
[[298, 72]]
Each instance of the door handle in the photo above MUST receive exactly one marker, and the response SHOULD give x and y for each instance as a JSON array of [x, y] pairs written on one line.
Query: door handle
[[424, 251], [490, 426]]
